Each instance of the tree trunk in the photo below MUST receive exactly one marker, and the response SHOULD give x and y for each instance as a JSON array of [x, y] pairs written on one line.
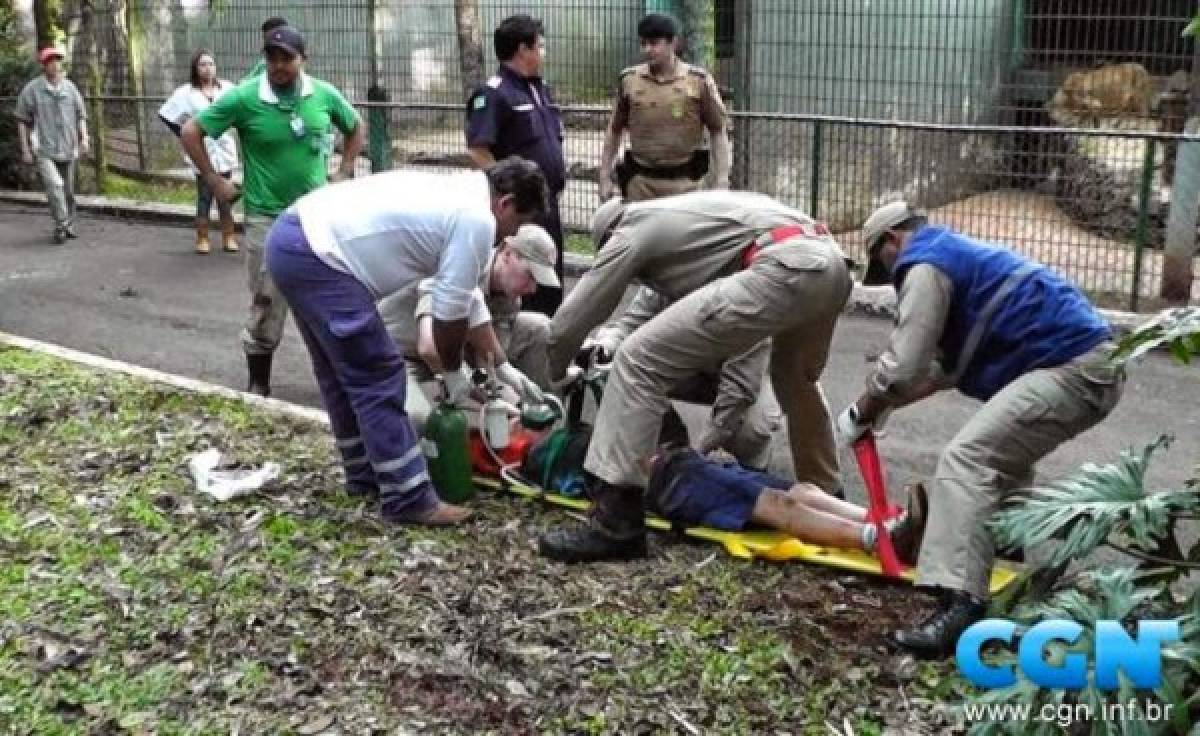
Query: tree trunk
[[133, 26], [1177, 275], [47, 17], [743, 90], [470, 47], [697, 21], [94, 89]]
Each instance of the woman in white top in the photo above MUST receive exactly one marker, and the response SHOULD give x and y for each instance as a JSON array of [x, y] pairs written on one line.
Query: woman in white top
[[185, 103]]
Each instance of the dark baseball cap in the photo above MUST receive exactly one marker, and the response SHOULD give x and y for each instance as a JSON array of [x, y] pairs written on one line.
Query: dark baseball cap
[[287, 38]]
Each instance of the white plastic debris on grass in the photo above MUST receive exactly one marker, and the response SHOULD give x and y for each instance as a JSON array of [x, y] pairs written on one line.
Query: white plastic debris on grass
[[226, 484]]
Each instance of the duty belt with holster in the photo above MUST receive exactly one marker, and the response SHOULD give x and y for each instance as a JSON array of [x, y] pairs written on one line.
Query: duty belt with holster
[[694, 168]]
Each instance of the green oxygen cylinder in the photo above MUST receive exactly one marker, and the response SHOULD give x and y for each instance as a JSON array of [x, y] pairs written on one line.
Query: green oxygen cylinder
[[447, 456]]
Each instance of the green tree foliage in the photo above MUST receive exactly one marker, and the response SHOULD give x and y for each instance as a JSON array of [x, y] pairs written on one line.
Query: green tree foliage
[[1110, 506], [16, 68]]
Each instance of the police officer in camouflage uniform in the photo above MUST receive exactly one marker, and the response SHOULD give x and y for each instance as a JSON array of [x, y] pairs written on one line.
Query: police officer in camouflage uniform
[[738, 268], [666, 105], [513, 114]]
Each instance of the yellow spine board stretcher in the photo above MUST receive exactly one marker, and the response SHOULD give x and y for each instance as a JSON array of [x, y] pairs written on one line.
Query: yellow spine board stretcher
[[766, 544]]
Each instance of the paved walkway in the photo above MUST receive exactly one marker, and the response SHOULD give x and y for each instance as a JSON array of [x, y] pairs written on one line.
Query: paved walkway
[[134, 291]]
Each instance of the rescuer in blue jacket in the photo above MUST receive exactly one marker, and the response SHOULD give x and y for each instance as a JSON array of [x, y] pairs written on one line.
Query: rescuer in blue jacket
[[1001, 329]]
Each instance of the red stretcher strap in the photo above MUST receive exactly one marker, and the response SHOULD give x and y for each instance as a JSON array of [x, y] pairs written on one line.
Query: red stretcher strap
[[878, 510], [779, 235]]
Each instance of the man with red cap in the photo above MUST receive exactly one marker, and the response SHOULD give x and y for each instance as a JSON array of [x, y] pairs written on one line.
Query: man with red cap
[[52, 129]]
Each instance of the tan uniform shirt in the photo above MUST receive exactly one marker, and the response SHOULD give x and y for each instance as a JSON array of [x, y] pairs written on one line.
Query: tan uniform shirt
[[666, 118], [921, 310], [673, 245]]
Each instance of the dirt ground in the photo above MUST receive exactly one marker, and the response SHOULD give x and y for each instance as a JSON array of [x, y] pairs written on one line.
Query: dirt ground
[[133, 604]]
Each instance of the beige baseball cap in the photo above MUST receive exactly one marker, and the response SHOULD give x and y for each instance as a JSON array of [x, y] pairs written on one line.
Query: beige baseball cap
[[536, 247], [880, 221]]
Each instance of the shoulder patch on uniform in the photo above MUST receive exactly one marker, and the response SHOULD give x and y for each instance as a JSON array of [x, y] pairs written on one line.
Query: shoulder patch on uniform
[[697, 71], [495, 82], [629, 70]]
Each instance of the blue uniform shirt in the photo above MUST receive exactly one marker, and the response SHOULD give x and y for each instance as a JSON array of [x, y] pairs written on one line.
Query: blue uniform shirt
[[514, 115]]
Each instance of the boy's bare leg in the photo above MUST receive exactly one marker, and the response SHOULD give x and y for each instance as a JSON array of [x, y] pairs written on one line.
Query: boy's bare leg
[[813, 497], [788, 511]]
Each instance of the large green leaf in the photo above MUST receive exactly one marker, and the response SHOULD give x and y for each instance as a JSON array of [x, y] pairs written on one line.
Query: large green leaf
[[1177, 329], [1086, 508]]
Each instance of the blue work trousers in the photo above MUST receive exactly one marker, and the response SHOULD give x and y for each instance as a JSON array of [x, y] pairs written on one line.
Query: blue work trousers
[[358, 369]]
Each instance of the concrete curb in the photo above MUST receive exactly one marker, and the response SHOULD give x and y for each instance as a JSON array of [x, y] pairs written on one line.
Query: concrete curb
[[869, 301], [192, 385], [127, 209]]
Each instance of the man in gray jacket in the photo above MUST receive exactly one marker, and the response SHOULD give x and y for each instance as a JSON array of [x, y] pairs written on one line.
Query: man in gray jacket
[[52, 110]]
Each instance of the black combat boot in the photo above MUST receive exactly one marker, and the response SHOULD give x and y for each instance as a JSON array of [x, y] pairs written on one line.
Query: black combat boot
[[258, 366], [937, 636], [615, 529]]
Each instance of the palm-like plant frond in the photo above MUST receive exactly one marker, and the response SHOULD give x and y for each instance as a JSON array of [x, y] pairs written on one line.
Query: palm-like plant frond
[[1086, 508], [1101, 595], [1178, 329], [1108, 595]]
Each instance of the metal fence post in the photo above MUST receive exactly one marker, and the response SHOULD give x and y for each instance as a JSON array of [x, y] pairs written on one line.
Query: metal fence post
[[1143, 223], [379, 136], [814, 184]]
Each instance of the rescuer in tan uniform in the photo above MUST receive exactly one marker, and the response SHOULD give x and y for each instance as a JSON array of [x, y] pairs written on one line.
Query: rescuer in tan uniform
[[746, 420], [739, 268], [666, 105]]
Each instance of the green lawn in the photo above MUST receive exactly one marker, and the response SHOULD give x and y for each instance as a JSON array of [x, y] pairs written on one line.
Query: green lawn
[[129, 603], [123, 187], [579, 243], [116, 185]]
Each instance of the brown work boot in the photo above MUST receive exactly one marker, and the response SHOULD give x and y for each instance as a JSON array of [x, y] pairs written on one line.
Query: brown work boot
[[229, 243], [202, 244], [443, 514], [615, 528], [907, 535]]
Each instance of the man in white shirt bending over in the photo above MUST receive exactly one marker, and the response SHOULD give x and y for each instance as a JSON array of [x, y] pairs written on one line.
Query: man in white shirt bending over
[[340, 249]]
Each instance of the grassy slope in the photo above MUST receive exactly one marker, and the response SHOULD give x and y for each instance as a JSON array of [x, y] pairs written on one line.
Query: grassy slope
[[128, 601]]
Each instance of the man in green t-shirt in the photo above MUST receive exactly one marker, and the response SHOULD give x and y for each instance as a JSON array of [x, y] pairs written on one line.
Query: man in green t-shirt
[[284, 120]]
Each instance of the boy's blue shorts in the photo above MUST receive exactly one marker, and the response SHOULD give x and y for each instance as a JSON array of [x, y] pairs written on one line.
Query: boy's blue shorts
[[689, 490]]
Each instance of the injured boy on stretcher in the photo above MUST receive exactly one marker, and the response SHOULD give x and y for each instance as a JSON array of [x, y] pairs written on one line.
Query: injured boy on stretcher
[[690, 490]]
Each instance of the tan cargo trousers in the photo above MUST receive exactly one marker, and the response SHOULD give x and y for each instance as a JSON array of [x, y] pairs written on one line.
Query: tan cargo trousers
[[792, 293], [263, 328], [994, 454]]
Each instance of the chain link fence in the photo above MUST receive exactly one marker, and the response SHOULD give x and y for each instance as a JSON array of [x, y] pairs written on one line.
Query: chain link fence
[[1052, 126]]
